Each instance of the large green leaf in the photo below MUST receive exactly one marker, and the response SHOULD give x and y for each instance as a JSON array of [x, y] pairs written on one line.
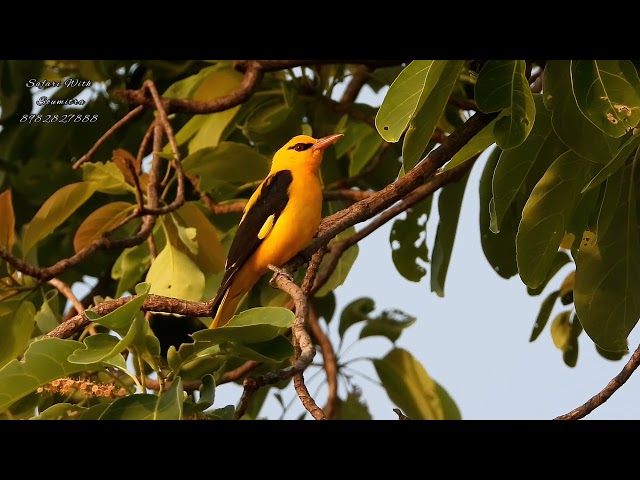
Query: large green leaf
[[409, 386], [15, 330], [573, 128], [560, 260], [405, 96], [408, 239], [102, 220], [55, 210], [547, 213], [478, 143], [130, 266], [499, 248], [607, 283], [44, 361], [539, 150], [449, 205], [148, 407], [430, 109], [174, 274], [607, 93], [502, 84]]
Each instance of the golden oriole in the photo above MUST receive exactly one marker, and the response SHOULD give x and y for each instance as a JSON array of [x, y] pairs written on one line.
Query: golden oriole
[[279, 220]]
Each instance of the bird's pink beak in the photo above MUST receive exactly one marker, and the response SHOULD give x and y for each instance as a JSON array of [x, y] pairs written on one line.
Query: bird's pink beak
[[324, 142]]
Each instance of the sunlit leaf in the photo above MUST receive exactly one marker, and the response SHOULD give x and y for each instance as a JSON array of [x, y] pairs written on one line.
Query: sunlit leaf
[[174, 274], [55, 211], [407, 92], [615, 163], [121, 318], [478, 143], [106, 177], [607, 93], [546, 215], [48, 317], [130, 266], [409, 386], [430, 110], [62, 411], [343, 267], [353, 407], [516, 165], [561, 329]]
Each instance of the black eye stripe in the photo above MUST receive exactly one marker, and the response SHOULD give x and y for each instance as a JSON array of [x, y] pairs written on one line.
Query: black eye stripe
[[300, 147]]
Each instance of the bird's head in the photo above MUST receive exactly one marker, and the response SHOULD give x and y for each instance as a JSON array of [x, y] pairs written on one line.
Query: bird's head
[[303, 150]]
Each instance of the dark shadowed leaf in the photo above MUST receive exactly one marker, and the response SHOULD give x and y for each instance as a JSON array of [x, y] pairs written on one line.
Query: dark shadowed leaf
[[543, 315], [355, 312], [353, 408], [408, 239], [390, 324]]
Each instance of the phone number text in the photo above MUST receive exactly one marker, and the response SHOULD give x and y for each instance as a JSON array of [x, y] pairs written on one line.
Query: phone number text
[[66, 118]]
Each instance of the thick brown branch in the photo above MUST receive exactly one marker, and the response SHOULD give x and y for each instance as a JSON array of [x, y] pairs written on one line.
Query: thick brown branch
[[153, 303], [606, 393], [299, 364]]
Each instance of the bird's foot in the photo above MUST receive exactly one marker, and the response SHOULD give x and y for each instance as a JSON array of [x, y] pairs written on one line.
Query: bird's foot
[[279, 271]]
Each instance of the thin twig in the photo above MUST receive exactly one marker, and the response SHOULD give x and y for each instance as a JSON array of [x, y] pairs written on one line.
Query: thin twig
[[614, 384], [65, 290], [329, 364]]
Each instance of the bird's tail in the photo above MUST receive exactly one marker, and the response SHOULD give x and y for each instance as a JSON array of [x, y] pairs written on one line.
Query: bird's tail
[[242, 282]]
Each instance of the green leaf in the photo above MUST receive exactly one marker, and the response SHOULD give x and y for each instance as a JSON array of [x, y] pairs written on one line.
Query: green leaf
[[409, 386], [102, 346], [212, 165], [559, 261], [517, 165], [173, 274], [355, 312], [408, 239], [130, 266], [573, 128], [48, 317], [363, 143], [343, 267], [449, 205], [570, 353], [546, 215], [44, 361], [99, 222], [499, 248], [615, 163], [406, 94], [501, 85], [430, 109], [62, 411], [211, 255], [106, 177], [148, 407], [275, 350], [55, 210], [607, 93], [561, 330], [15, 331], [353, 407], [543, 315], [390, 324], [206, 397], [121, 318], [607, 280], [478, 143]]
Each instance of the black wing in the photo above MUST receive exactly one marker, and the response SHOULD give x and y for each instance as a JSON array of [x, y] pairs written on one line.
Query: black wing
[[273, 197]]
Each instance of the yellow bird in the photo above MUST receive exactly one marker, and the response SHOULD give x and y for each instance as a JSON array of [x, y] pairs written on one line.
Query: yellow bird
[[280, 219]]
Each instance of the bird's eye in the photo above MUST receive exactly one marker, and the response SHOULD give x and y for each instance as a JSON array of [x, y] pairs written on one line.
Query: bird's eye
[[301, 147]]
